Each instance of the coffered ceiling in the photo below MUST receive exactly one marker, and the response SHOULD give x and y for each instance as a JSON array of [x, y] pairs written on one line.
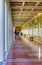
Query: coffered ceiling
[[24, 10]]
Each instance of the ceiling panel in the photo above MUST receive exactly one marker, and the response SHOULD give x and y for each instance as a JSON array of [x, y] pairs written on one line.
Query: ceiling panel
[[15, 3], [15, 9], [24, 10], [37, 9], [30, 3], [40, 4]]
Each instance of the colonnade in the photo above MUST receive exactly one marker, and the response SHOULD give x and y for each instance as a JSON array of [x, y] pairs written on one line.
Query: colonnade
[[33, 28], [6, 29]]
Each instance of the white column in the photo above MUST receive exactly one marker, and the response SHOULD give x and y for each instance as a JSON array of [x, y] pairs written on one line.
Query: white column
[[10, 27], [8, 30], [39, 28], [2, 31], [6, 26], [13, 34]]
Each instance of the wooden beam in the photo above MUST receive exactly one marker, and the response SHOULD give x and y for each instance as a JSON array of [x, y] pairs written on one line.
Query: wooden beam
[[26, 0], [22, 17], [26, 7], [27, 11]]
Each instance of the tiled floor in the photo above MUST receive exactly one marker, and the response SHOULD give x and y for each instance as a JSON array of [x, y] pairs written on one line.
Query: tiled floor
[[19, 54]]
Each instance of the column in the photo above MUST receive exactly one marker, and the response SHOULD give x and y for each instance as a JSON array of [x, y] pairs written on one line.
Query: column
[[39, 28], [10, 27], [6, 26], [13, 34], [32, 32], [2, 31]]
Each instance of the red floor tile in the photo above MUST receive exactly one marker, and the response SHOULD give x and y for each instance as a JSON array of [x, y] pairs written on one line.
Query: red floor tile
[[19, 48], [21, 55]]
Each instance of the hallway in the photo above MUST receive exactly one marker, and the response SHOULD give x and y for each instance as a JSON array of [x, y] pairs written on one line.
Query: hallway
[[21, 32], [20, 54]]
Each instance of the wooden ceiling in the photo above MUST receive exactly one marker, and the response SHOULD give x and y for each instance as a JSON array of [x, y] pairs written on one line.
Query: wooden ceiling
[[24, 10]]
